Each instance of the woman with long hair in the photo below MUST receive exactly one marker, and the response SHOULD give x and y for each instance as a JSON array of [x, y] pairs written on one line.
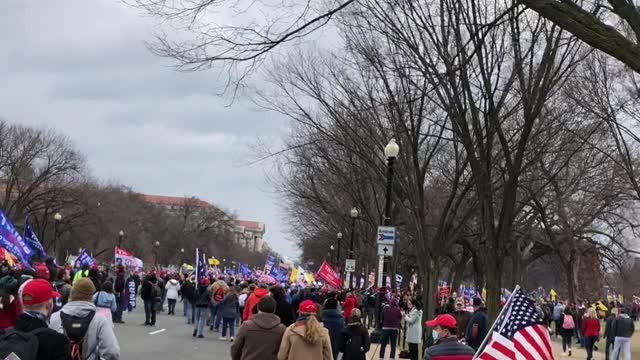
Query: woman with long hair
[[10, 308], [590, 330], [306, 338]]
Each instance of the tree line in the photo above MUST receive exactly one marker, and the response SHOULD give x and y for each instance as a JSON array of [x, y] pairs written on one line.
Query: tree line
[[43, 174]]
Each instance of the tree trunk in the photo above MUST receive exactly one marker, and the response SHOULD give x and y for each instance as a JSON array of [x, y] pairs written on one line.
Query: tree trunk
[[571, 279], [494, 279]]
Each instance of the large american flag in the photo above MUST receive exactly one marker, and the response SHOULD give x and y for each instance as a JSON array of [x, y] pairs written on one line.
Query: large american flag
[[519, 333]]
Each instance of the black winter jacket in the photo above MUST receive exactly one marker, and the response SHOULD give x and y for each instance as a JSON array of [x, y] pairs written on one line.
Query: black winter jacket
[[51, 344], [202, 297]]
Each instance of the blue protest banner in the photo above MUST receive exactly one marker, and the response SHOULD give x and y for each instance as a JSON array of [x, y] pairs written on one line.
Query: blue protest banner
[[11, 240]]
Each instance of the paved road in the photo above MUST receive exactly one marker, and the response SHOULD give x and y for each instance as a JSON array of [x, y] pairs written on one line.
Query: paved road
[[172, 339]]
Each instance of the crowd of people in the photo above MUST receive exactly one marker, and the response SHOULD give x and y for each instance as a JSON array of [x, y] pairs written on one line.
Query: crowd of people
[[71, 313], [46, 316]]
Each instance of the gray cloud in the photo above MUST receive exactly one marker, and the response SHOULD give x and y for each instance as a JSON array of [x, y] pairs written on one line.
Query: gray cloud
[[81, 68]]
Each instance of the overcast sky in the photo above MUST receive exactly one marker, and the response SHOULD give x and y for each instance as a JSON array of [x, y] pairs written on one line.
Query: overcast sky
[[82, 69]]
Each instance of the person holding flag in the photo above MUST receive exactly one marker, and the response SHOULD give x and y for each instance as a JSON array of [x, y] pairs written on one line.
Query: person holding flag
[[446, 345]]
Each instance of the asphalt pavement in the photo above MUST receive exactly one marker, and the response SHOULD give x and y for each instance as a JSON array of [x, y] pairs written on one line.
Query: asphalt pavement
[[170, 339]]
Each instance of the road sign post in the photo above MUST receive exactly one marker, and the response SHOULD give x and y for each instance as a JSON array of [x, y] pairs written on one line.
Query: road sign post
[[380, 270], [385, 250]]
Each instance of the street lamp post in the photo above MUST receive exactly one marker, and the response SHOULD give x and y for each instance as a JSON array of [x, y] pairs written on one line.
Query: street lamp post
[[181, 257], [157, 251], [339, 235], [391, 152], [333, 254], [354, 216], [120, 236], [57, 218]]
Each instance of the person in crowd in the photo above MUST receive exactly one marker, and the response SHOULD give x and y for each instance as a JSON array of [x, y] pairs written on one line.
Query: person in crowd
[[37, 302], [477, 329], [306, 338], [61, 284], [218, 289], [333, 322], [228, 311], [567, 329], [173, 290], [90, 335], [252, 300], [381, 301], [354, 341], [94, 275], [242, 298], [202, 299], [391, 318], [10, 308], [105, 301], [187, 291], [283, 308], [369, 309], [150, 293], [350, 303], [259, 338], [622, 329], [463, 317], [590, 330], [446, 345], [608, 333], [414, 327], [119, 288], [558, 311]]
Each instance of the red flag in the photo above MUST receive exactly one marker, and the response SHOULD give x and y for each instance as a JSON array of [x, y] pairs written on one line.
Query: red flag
[[329, 275]]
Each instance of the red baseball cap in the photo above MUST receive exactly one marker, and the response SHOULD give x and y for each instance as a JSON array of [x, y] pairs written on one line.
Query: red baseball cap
[[445, 320], [308, 306], [38, 291]]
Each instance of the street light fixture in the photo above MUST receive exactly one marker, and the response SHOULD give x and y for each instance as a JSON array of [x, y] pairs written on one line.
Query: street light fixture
[[157, 250], [354, 217], [120, 236], [339, 235], [57, 218]]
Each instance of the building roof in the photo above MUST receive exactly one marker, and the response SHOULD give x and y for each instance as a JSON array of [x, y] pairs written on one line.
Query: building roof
[[250, 224], [175, 200]]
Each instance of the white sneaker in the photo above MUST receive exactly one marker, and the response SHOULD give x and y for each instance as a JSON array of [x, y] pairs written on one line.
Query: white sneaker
[[221, 338], [231, 339]]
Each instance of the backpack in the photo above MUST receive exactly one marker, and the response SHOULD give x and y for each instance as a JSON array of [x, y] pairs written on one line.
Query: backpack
[[568, 323], [76, 328], [219, 294], [156, 293], [19, 345]]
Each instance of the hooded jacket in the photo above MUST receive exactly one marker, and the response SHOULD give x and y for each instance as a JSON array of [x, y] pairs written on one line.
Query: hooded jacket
[[51, 345], [188, 291], [349, 304], [228, 306], [100, 341], [334, 322], [172, 288], [295, 347], [391, 315], [414, 326], [252, 301], [258, 338]]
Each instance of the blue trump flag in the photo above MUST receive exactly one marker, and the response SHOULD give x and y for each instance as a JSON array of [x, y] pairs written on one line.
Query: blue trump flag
[[279, 274], [85, 258], [11, 240], [245, 270], [268, 265], [201, 269], [32, 240]]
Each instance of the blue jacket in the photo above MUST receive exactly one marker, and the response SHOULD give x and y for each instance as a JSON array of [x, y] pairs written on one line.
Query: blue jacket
[[334, 322], [228, 306], [480, 320], [105, 300]]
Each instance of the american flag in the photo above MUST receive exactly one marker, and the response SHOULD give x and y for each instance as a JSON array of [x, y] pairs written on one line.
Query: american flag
[[519, 333]]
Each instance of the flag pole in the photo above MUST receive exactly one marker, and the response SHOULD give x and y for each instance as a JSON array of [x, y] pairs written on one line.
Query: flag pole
[[489, 333]]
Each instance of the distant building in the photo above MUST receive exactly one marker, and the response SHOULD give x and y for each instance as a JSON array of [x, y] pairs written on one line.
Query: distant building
[[250, 234]]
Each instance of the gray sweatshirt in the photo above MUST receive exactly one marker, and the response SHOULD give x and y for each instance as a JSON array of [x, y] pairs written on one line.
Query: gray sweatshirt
[[100, 340]]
